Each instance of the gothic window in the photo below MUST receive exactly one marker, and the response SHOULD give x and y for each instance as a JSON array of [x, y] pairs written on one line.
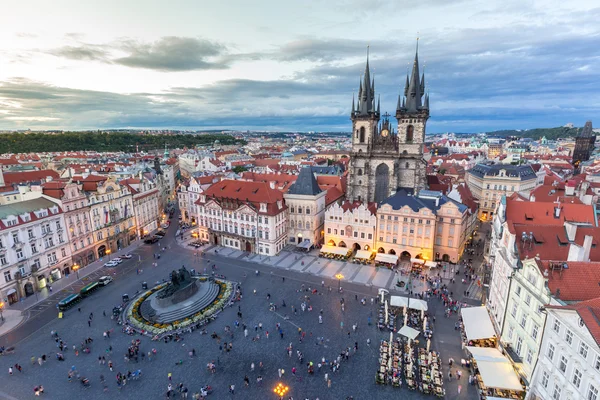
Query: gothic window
[[359, 171], [357, 133], [396, 168], [382, 181], [410, 130], [360, 182], [407, 165], [362, 135]]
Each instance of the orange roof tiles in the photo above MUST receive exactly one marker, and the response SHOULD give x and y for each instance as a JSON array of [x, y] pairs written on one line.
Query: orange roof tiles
[[542, 213], [245, 192]]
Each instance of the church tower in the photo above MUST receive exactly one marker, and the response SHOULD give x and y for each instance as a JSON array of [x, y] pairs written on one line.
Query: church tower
[[381, 160]]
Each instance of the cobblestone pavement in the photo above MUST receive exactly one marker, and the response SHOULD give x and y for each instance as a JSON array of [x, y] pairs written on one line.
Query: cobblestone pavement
[[355, 378]]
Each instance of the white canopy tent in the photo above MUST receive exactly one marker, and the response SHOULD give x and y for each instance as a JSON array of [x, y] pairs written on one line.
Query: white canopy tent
[[431, 264], [305, 244], [477, 323], [340, 251], [495, 369], [408, 332], [363, 254], [415, 304], [417, 260], [386, 258]]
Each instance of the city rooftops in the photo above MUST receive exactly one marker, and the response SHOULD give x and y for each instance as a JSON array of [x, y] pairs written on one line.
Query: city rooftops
[[524, 172]]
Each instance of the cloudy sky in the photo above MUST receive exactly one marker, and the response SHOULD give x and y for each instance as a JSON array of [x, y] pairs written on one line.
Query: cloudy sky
[[294, 65]]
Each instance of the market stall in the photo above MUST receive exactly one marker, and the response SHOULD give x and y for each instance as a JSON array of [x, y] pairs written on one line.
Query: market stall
[[496, 377], [386, 260], [432, 264], [334, 252], [417, 265], [305, 245], [408, 332], [477, 328], [412, 303]]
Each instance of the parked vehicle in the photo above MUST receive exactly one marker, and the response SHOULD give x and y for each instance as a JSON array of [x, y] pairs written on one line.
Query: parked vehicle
[[111, 264], [88, 289], [127, 256], [118, 260], [105, 280], [152, 240], [69, 301]]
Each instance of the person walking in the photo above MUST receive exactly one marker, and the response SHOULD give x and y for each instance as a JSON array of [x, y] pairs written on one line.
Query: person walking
[[252, 367], [10, 371]]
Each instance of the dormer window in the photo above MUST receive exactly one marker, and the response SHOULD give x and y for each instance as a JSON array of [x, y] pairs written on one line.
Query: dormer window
[[263, 207]]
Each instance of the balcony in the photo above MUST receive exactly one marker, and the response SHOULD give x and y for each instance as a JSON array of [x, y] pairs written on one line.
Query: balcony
[[512, 354], [32, 239], [17, 244], [46, 233]]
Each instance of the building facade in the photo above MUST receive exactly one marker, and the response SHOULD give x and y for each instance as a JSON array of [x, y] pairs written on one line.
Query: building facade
[[247, 216], [489, 183], [569, 360], [381, 160], [305, 203], [34, 250], [112, 215], [146, 198], [351, 224]]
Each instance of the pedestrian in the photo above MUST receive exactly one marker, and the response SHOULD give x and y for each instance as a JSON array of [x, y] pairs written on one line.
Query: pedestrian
[[458, 374], [328, 383], [170, 377], [450, 375], [232, 389], [10, 371], [252, 367], [326, 376], [246, 381], [459, 388], [368, 342]]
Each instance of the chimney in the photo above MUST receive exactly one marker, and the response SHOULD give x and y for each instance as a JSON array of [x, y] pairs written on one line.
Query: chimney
[[272, 184], [571, 230], [587, 247], [48, 179], [532, 198], [557, 212]]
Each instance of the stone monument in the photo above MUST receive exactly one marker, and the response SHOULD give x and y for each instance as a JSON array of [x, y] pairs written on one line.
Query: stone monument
[[181, 288]]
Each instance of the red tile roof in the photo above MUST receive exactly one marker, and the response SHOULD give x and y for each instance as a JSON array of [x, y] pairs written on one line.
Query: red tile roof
[[253, 193], [551, 243], [24, 177], [540, 213], [578, 282], [351, 205]]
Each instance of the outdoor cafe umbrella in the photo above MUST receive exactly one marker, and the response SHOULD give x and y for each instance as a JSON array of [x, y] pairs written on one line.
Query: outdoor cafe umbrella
[[430, 356], [424, 324], [422, 314], [429, 344], [405, 319]]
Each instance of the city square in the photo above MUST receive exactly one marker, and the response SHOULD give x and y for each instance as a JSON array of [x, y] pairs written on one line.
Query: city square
[[356, 376]]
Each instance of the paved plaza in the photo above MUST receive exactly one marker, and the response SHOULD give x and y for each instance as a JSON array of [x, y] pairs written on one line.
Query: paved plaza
[[281, 277]]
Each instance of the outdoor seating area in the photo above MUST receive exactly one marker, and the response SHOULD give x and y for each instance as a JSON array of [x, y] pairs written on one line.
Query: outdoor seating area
[[386, 318], [335, 253], [420, 367], [363, 257], [476, 327], [304, 246], [495, 376], [386, 260], [414, 313]]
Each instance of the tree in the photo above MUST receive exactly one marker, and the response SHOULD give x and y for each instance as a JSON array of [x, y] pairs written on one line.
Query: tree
[[238, 169]]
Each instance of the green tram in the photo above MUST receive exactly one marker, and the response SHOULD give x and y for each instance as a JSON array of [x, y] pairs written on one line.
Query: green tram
[[88, 289], [69, 301]]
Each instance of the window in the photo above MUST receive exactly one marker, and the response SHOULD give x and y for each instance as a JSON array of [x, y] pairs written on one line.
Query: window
[[513, 312], [597, 363], [511, 330], [576, 378], [528, 299], [30, 233], [529, 357], [519, 345], [592, 393], [550, 352], [534, 331], [556, 392], [563, 364], [556, 326], [328, 230], [19, 254], [3, 259], [569, 337], [63, 252], [523, 320], [15, 237], [583, 350], [7, 277], [545, 379]]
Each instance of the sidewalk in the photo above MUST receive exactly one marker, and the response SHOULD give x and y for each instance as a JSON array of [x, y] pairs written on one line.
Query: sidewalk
[[67, 281], [12, 319]]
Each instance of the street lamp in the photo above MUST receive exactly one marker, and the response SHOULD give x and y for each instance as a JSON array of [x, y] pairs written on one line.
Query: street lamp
[[76, 268], [281, 390], [1, 309], [339, 278]]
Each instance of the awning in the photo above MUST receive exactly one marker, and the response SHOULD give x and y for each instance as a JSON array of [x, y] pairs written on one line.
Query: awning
[[415, 304], [305, 244], [417, 260], [11, 291], [477, 323], [408, 332], [363, 254], [495, 369], [341, 251], [431, 264], [386, 258]]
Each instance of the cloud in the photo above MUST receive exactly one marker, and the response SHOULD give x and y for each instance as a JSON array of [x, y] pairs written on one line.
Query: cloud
[[172, 53], [81, 52]]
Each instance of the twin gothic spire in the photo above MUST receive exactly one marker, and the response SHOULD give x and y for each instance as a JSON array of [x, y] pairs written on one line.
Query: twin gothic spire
[[410, 102]]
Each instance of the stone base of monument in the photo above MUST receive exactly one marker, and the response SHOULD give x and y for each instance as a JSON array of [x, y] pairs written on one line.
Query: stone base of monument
[[185, 302]]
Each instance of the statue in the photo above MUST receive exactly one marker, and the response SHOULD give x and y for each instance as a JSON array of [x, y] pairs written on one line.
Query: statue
[[179, 280]]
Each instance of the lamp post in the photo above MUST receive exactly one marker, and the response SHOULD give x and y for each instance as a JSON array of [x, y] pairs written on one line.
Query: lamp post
[[1, 309], [339, 278], [281, 390], [76, 268]]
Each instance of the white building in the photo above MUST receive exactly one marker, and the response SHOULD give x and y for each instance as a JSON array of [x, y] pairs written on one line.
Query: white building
[[247, 216], [188, 195], [569, 362], [145, 204], [33, 247], [305, 201], [351, 224]]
